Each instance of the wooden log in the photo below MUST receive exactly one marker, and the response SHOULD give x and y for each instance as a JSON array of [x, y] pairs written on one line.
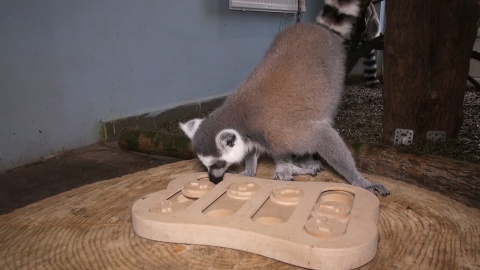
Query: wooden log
[[156, 142], [456, 179]]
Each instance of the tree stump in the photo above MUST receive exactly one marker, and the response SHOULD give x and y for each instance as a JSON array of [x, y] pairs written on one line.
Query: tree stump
[[90, 228]]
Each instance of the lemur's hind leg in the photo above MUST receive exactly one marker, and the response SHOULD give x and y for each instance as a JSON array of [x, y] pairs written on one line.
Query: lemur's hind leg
[[307, 162], [285, 169], [331, 147]]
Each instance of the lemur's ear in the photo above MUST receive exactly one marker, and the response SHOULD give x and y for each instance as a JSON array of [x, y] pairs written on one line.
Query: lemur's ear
[[191, 127], [226, 139]]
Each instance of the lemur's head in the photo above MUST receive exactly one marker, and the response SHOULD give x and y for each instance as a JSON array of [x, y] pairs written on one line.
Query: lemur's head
[[216, 148]]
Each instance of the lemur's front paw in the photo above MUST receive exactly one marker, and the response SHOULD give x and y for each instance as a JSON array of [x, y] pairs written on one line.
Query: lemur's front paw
[[378, 188]]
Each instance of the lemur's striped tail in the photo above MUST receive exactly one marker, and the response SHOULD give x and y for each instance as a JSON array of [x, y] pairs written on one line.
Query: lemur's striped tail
[[339, 15], [370, 69]]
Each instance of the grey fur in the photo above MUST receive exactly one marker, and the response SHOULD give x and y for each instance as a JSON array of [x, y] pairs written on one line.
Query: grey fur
[[372, 23], [284, 108], [251, 160], [307, 162]]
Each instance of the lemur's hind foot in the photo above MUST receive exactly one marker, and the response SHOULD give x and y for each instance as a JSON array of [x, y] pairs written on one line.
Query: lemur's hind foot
[[285, 169], [373, 187], [379, 188], [307, 162]]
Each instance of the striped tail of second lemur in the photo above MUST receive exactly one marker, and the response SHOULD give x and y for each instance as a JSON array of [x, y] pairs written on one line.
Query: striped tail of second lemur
[[370, 69], [369, 60], [339, 16]]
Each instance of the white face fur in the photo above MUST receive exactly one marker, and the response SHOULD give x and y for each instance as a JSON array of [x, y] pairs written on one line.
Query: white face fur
[[230, 145]]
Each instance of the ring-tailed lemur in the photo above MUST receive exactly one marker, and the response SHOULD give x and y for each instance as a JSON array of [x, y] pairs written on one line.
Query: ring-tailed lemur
[[286, 106], [369, 60]]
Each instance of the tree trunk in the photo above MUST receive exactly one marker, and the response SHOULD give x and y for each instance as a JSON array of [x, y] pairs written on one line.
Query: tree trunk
[[428, 44]]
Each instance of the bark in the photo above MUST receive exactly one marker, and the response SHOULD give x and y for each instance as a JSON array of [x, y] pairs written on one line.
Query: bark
[[156, 142], [456, 179], [428, 45]]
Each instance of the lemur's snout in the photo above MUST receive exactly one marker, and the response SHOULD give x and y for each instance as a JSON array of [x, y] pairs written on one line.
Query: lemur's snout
[[215, 179]]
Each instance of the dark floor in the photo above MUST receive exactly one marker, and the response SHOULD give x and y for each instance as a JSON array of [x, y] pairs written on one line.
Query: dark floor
[[28, 184]]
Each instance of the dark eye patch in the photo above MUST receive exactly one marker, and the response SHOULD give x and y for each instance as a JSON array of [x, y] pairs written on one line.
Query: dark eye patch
[[219, 164]]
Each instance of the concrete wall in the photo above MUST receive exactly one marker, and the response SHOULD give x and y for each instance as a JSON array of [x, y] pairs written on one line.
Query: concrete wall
[[68, 65]]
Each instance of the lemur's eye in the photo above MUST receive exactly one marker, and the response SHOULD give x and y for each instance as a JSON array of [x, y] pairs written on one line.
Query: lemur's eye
[[219, 164]]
